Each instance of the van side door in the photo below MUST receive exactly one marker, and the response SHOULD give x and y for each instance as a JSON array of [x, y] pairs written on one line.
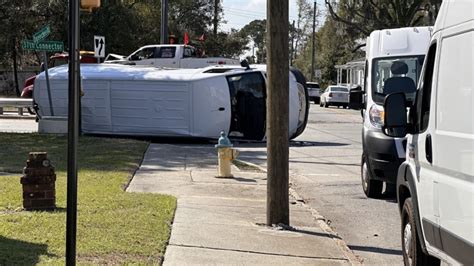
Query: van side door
[[420, 151], [453, 141]]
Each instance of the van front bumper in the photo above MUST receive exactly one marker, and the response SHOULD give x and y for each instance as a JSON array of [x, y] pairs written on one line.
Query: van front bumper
[[381, 155]]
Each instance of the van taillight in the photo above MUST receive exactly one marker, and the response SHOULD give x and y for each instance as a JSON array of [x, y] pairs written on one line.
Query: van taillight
[[221, 62]]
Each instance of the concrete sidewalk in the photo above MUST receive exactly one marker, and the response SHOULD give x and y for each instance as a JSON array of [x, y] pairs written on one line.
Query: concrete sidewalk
[[221, 221]]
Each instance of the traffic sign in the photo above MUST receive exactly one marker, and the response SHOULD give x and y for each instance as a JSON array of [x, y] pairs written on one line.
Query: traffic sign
[[41, 34], [48, 46], [317, 73], [99, 46]]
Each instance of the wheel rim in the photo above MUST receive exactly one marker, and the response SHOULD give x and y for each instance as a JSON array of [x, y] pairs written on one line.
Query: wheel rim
[[407, 241], [365, 177]]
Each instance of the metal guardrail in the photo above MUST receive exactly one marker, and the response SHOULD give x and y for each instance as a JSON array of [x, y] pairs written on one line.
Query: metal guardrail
[[19, 103]]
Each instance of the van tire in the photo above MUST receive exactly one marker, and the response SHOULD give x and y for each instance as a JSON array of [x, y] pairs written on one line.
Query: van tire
[[414, 255], [372, 188]]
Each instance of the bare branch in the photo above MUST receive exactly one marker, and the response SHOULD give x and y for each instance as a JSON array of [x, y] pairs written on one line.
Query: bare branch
[[347, 22]]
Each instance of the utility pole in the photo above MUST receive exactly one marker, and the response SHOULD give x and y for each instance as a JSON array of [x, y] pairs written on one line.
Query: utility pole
[[73, 131], [277, 113], [164, 22], [292, 43], [314, 43], [216, 14]]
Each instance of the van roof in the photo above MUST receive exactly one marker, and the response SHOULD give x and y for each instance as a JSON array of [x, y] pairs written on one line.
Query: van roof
[[398, 42], [459, 11]]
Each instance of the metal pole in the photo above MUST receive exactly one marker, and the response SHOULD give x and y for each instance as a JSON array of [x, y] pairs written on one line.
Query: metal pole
[[164, 21], [277, 113], [73, 132], [314, 43], [48, 85], [216, 13]]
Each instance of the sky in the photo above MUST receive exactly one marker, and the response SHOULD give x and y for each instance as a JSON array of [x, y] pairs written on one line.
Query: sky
[[239, 13]]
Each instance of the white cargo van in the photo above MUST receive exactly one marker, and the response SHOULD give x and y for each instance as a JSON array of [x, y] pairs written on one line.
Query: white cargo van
[[394, 58], [435, 185], [148, 101]]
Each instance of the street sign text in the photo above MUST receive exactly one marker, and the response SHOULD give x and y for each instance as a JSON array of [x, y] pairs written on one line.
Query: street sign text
[[48, 46]]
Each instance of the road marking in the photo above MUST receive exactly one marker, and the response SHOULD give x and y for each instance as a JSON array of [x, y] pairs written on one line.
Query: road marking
[[323, 174]]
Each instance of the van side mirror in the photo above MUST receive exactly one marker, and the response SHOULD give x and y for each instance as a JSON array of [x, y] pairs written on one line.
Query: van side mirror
[[395, 115], [356, 99]]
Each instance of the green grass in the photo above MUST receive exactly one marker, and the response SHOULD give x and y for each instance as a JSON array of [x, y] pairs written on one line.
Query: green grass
[[113, 227]]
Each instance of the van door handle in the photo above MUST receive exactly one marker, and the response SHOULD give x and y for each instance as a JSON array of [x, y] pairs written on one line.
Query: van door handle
[[221, 109], [429, 149]]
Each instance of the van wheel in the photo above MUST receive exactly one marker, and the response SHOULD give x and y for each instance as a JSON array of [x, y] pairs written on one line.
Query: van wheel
[[372, 188], [411, 248]]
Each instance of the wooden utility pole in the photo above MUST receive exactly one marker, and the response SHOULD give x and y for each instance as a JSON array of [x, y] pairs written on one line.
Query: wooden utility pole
[[277, 113], [216, 15], [164, 22], [292, 43], [314, 43]]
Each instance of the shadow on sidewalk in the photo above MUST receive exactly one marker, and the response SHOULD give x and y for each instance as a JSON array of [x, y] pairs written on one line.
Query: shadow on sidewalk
[[19, 252], [293, 144], [376, 250]]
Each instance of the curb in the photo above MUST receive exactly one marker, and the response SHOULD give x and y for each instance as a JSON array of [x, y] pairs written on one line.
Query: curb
[[21, 117], [320, 220]]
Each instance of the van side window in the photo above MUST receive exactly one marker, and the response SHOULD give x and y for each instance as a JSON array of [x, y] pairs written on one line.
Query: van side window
[[423, 97], [366, 72]]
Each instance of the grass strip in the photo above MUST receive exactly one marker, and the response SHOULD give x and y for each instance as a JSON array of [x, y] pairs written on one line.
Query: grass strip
[[114, 227]]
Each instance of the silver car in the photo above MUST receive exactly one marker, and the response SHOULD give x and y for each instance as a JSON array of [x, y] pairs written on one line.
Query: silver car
[[335, 96]]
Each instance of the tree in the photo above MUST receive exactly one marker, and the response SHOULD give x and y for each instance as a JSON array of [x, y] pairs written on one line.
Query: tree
[[363, 17], [304, 23], [256, 31], [229, 44], [333, 47]]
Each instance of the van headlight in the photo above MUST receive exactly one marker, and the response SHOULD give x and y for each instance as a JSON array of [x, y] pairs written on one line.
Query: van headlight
[[376, 114]]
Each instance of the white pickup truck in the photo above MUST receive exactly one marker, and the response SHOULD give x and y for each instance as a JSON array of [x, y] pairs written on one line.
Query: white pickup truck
[[172, 56]]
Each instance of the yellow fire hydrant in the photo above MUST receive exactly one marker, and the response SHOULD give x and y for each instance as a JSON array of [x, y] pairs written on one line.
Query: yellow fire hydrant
[[225, 155]]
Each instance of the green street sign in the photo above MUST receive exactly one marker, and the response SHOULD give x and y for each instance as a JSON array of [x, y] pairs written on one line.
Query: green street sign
[[48, 46], [41, 34]]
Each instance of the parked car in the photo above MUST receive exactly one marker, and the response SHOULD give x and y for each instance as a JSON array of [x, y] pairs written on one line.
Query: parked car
[[171, 56], [335, 96], [313, 91], [435, 185], [55, 60]]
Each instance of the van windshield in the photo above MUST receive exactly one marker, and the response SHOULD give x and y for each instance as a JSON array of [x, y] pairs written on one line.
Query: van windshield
[[395, 74]]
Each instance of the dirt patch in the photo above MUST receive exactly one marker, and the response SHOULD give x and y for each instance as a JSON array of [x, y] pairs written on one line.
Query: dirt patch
[[119, 259]]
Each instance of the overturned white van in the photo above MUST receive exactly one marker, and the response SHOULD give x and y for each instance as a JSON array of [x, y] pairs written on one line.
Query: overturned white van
[[147, 101]]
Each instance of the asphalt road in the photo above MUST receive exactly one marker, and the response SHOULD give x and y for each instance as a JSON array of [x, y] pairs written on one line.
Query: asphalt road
[[325, 163]]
